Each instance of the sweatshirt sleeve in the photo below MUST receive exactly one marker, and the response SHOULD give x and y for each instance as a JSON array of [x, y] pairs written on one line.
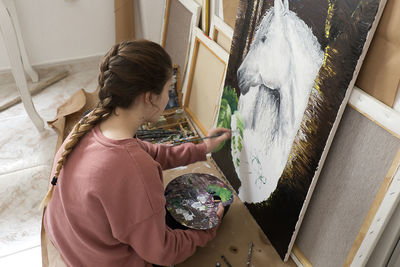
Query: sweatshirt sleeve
[[156, 243], [175, 156]]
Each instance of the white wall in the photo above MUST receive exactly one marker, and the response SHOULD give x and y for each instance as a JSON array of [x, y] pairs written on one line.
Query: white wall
[[149, 16], [59, 30]]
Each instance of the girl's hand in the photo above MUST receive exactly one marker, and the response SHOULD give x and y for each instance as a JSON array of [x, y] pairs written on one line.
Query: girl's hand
[[213, 143], [220, 211]]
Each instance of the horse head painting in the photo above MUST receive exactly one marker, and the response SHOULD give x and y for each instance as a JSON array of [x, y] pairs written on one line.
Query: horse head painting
[[275, 80], [291, 69]]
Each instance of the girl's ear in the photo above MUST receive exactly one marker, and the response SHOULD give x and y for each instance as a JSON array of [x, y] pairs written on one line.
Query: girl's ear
[[147, 97]]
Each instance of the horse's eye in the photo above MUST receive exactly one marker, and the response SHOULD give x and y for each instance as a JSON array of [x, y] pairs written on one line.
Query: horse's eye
[[263, 39]]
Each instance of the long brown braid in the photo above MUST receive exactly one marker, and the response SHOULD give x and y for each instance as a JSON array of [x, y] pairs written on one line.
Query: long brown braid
[[127, 70]]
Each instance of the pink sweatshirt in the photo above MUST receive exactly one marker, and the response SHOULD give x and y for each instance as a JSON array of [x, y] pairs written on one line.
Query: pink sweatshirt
[[108, 207]]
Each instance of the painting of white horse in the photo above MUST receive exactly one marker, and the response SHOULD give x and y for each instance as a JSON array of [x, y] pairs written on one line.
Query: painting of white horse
[[291, 69], [275, 80]]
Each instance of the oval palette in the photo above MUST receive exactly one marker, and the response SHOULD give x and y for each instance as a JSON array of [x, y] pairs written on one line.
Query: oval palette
[[193, 199]]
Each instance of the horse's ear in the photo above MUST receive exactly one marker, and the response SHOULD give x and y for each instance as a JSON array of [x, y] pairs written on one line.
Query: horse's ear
[[286, 5], [278, 6]]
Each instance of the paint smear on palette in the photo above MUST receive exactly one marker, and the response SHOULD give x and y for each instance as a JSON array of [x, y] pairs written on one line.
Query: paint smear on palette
[[193, 199]]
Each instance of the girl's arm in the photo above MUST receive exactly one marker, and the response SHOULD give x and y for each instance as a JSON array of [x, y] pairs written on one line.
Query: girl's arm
[[175, 156], [156, 243]]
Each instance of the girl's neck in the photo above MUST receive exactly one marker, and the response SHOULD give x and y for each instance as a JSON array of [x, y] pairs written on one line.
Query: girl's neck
[[121, 125]]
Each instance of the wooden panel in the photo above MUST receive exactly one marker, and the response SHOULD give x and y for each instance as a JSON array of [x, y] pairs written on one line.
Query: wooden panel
[[124, 21], [230, 8], [380, 73], [165, 22], [205, 17]]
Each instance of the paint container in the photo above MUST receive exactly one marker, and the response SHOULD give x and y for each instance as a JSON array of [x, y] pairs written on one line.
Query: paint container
[[192, 201], [178, 115]]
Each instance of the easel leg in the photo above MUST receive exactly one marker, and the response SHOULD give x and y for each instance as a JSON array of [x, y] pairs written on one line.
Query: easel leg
[[25, 61], [11, 44]]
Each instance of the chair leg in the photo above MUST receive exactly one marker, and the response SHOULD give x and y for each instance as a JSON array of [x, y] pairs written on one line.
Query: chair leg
[[12, 47], [25, 61]]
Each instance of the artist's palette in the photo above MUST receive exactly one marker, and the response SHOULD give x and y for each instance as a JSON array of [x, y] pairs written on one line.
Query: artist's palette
[[193, 199]]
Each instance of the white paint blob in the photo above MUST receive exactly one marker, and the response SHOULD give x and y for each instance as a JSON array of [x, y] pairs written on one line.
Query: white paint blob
[[202, 198], [188, 216], [199, 206]]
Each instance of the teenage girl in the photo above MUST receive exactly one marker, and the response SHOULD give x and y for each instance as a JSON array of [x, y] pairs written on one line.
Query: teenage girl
[[107, 203]]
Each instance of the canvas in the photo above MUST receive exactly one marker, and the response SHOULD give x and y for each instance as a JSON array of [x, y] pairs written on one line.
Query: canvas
[[180, 17], [291, 68], [356, 166], [221, 33], [204, 82]]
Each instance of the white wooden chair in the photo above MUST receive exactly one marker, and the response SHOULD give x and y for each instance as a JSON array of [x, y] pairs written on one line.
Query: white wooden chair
[[10, 30]]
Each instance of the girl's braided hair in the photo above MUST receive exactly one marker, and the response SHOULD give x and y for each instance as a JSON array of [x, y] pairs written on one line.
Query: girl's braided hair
[[127, 70]]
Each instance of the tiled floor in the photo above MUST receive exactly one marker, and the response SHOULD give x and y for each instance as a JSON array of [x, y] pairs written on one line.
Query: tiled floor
[[25, 161]]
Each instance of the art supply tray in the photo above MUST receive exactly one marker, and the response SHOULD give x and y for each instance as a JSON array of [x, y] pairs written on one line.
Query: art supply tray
[[174, 127]]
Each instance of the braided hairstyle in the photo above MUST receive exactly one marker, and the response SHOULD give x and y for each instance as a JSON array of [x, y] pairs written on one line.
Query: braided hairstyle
[[127, 70]]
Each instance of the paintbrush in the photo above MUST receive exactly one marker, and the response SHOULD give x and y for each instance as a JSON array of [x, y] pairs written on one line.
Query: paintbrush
[[185, 140], [249, 255], [155, 133], [226, 261]]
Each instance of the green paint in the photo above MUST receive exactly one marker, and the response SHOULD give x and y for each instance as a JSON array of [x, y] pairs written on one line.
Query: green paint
[[255, 158], [225, 114], [237, 162], [262, 179], [222, 192], [176, 202], [229, 94], [224, 120], [240, 144], [229, 103], [237, 143], [239, 123]]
